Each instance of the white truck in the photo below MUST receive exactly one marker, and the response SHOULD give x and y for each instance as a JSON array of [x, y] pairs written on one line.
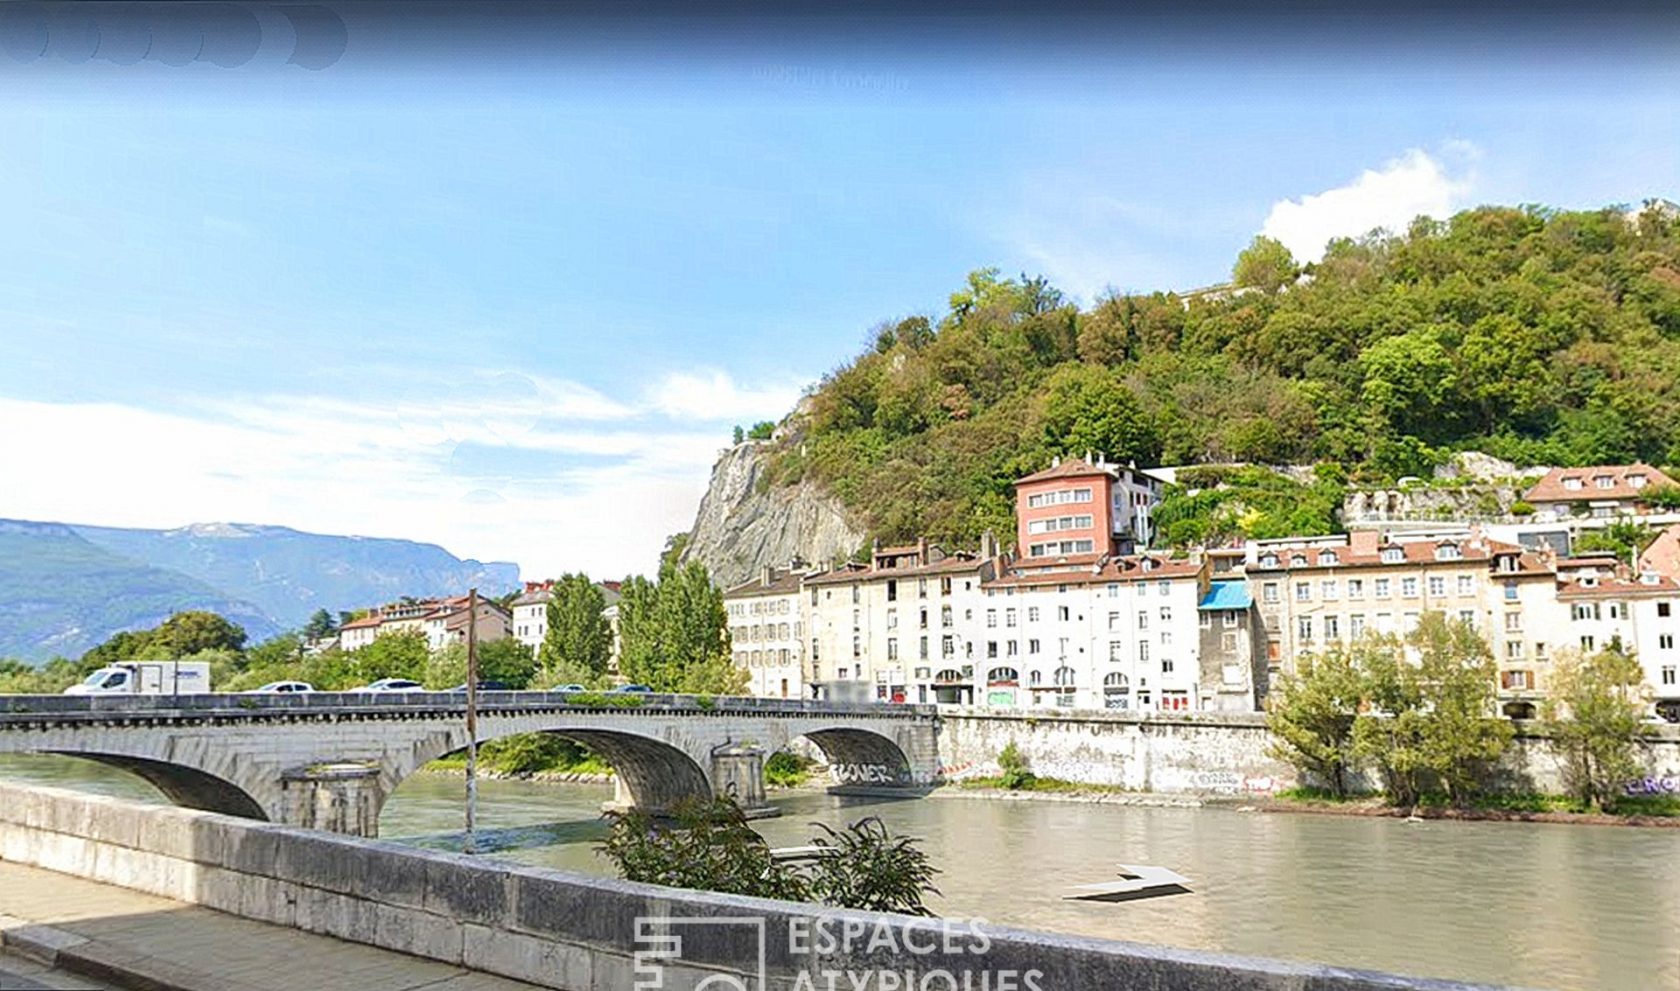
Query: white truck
[[146, 678]]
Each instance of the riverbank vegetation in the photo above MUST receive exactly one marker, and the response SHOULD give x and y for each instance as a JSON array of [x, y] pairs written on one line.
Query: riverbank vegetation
[[1419, 715], [529, 755], [1540, 336], [708, 845]]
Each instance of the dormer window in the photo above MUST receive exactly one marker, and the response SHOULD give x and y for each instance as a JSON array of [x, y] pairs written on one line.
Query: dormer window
[[1447, 552], [1636, 481], [1648, 578], [1298, 561], [1507, 562], [1269, 561], [1393, 555], [1604, 481], [1572, 483], [1589, 581], [1327, 558], [1148, 564]]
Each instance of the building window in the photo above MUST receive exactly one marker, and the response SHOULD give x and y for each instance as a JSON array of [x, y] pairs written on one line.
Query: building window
[[1328, 558], [1205, 620], [1662, 609], [1583, 611], [1356, 588], [1356, 625], [991, 649], [1447, 552], [1466, 584], [944, 586], [1014, 648], [1437, 585], [921, 588], [1032, 614], [991, 618], [1062, 613], [1032, 646], [1303, 591], [1408, 588], [1332, 627], [1233, 618], [924, 648], [1510, 591], [1328, 589], [1513, 621], [1116, 650], [1166, 637], [1668, 674], [1269, 592], [1163, 586], [1304, 629], [1143, 650], [1114, 621], [1166, 665], [892, 590], [1587, 643], [1380, 588], [892, 619], [1143, 619], [1166, 614], [1513, 649], [1114, 590], [1009, 617], [1665, 641], [1393, 555]]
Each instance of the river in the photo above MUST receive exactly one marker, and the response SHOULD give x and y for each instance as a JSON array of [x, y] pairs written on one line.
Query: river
[[1574, 908]]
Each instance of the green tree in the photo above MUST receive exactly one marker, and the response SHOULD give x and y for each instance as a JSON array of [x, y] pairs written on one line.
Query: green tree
[[1390, 733], [739, 435], [1265, 264], [1623, 537], [320, 625], [762, 430], [579, 637], [1087, 409], [1593, 710], [402, 654], [1465, 736], [189, 632], [1311, 716], [674, 633]]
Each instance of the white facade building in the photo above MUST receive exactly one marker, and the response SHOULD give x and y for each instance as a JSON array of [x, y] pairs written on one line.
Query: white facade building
[[767, 633]]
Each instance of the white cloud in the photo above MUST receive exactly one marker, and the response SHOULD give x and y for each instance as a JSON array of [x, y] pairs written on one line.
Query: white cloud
[[498, 467], [1391, 197], [714, 396]]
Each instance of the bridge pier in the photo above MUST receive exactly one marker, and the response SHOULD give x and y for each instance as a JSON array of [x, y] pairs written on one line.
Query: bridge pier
[[738, 773], [336, 797]]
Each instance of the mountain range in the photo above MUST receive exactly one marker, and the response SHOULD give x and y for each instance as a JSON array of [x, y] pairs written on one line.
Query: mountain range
[[65, 588]]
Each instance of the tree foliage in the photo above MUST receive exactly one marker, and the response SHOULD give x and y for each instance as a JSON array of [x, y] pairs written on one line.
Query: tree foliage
[[1539, 336], [1311, 715], [1593, 710], [709, 846], [579, 638], [674, 633]]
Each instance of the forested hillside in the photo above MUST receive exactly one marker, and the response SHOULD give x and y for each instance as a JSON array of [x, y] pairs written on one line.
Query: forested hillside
[[1538, 336]]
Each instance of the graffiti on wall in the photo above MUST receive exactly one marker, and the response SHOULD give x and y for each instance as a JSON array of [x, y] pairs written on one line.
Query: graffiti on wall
[[1666, 785], [864, 774], [1236, 783]]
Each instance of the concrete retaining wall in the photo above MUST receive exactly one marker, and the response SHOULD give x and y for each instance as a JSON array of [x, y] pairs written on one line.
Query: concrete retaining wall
[[579, 933], [1205, 754]]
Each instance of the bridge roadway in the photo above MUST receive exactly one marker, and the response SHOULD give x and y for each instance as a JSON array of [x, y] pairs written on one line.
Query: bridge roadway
[[330, 760]]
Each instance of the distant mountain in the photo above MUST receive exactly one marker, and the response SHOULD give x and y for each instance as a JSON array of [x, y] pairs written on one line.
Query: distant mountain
[[290, 574], [61, 594], [65, 588]]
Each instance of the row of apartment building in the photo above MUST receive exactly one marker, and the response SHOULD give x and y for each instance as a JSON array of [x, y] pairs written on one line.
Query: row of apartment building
[[1078, 616]]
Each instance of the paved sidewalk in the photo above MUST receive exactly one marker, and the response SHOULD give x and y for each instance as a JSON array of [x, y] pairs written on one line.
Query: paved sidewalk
[[116, 936]]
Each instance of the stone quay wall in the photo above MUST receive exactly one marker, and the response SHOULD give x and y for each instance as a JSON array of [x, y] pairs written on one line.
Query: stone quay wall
[[1209, 754], [578, 933]]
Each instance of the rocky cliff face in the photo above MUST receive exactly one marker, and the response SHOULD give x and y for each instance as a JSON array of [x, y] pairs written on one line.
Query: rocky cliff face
[[739, 528]]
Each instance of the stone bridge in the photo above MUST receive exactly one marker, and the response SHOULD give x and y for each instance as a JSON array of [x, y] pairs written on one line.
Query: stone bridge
[[330, 760]]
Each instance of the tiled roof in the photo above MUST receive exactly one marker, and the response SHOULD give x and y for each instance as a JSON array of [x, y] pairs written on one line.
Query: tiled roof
[[1618, 588], [535, 597], [365, 621], [1069, 468], [1120, 569], [1412, 552], [782, 583], [1552, 487]]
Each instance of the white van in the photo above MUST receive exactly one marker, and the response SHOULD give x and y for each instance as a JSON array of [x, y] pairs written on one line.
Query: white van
[[146, 678]]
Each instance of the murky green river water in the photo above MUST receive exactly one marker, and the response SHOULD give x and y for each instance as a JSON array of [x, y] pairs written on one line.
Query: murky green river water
[[1594, 908]]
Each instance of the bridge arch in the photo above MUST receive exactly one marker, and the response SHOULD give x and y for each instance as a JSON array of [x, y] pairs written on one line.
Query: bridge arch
[[183, 785], [653, 774], [858, 756]]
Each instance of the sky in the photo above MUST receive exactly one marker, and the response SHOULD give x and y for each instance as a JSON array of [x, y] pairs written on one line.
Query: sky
[[506, 286]]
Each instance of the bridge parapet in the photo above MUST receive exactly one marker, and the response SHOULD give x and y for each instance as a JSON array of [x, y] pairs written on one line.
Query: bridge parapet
[[257, 755]]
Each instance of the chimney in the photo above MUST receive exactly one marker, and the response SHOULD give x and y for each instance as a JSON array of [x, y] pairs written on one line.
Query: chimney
[[921, 550], [1056, 461], [988, 546], [766, 575]]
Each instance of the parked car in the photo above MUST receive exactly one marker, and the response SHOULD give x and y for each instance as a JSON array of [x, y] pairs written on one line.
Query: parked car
[[281, 688], [632, 688], [487, 686], [393, 685], [568, 688]]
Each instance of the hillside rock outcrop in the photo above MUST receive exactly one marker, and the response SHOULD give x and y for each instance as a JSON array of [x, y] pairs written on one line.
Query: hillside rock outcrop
[[743, 525]]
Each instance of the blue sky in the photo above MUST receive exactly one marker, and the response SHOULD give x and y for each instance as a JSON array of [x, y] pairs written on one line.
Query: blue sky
[[514, 307]]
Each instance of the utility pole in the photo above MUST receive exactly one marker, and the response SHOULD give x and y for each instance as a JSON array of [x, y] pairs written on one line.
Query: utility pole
[[470, 846]]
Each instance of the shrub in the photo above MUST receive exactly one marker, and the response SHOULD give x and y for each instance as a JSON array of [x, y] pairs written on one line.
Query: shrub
[[1012, 767], [1522, 508], [785, 769]]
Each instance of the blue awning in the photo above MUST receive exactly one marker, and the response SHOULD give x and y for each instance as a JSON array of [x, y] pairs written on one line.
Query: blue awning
[[1227, 595]]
